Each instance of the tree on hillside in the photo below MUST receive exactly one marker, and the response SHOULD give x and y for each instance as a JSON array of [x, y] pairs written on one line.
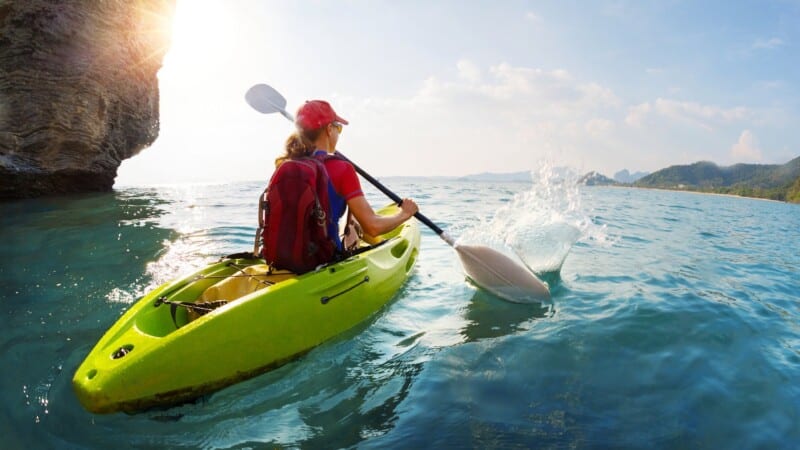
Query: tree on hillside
[[793, 194]]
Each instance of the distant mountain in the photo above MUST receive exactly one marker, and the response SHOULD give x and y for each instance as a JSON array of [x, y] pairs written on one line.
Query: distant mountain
[[498, 177], [771, 181], [596, 179], [623, 176]]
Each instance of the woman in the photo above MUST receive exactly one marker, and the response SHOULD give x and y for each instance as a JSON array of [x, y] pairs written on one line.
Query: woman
[[318, 131]]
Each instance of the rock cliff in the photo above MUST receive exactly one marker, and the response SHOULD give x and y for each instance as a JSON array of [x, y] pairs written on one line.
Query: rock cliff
[[78, 90]]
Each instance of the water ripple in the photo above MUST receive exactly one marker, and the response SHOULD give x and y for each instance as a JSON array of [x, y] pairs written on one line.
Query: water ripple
[[674, 323]]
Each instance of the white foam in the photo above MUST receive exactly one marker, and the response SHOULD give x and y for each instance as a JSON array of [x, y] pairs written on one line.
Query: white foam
[[540, 225]]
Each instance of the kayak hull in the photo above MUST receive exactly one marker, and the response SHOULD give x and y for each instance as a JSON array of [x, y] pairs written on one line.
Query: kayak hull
[[153, 356]]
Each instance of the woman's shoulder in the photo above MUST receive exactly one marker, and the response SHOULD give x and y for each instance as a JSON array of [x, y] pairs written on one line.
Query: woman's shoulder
[[333, 161]]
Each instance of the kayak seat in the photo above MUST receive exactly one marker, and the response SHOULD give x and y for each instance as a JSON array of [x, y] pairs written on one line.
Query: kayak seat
[[244, 282]]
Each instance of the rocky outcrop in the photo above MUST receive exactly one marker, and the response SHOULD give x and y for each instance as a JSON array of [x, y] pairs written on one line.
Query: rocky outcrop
[[78, 90]]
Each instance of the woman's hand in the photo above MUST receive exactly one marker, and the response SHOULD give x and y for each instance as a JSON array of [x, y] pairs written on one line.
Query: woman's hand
[[374, 224], [409, 207]]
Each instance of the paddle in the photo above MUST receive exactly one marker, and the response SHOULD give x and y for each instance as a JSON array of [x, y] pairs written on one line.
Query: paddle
[[485, 266]]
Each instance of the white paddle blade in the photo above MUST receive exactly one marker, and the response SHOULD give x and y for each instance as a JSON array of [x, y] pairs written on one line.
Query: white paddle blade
[[266, 100], [500, 275]]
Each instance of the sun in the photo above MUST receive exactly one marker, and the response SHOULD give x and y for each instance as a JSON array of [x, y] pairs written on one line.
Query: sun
[[199, 28], [152, 23]]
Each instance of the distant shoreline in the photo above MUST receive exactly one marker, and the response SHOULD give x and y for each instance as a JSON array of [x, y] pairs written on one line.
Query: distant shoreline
[[696, 192]]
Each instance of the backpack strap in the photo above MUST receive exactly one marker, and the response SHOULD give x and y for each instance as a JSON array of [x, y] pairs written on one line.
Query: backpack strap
[[263, 210], [351, 229]]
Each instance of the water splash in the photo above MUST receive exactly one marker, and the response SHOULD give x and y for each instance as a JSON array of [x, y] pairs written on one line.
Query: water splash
[[539, 226]]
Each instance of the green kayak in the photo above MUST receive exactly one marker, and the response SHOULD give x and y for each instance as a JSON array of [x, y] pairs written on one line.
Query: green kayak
[[235, 319]]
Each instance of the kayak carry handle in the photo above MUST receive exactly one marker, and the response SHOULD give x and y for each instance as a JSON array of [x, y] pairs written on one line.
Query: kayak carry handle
[[326, 299]]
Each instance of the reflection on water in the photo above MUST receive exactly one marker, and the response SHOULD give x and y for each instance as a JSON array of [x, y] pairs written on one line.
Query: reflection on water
[[60, 257], [337, 396], [488, 316]]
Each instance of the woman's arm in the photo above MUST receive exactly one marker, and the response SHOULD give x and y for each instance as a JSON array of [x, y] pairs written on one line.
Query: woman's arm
[[374, 224]]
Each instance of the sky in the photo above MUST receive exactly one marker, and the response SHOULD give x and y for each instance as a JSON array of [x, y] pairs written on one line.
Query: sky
[[451, 88]]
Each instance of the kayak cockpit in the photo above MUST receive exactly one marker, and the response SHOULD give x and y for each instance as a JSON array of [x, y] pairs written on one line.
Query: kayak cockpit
[[203, 293], [229, 281]]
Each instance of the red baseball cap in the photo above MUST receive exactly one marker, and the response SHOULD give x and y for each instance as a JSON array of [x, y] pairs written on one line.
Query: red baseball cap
[[316, 114]]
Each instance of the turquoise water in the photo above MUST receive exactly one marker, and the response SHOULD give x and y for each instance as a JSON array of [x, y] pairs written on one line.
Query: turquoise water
[[674, 324]]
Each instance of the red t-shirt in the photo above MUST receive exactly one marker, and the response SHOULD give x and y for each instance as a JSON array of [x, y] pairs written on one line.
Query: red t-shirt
[[344, 179]]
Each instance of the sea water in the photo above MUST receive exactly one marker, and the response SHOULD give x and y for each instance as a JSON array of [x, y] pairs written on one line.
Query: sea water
[[674, 323]]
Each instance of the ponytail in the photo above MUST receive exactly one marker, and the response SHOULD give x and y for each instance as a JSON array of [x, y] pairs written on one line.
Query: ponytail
[[299, 144]]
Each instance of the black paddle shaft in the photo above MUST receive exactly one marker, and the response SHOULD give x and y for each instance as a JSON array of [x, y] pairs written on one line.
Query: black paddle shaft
[[391, 194]]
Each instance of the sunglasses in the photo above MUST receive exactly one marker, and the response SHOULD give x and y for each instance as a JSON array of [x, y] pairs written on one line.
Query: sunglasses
[[338, 126]]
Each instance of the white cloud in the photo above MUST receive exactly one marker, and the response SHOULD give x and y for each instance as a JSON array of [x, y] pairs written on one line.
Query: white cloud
[[701, 112], [600, 95], [746, 149], [771, 84], [637, 114], [533, 17], [706, 117], [467, 70], [599, 127], [767, 44], [497, 118], [554, 92]]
